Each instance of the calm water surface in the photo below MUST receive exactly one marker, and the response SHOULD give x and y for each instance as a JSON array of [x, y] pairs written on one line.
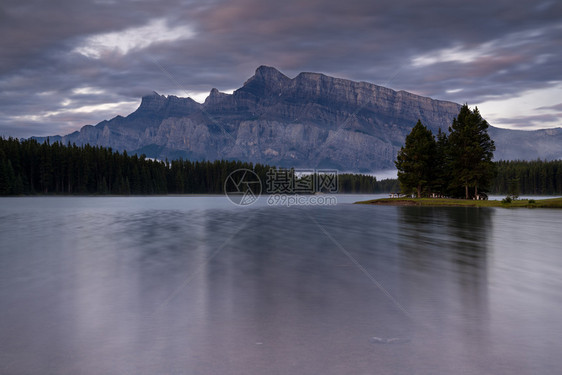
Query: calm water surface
[[196, 285]]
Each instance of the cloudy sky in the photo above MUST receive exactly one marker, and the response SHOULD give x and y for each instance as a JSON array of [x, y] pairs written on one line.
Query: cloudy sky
[[68, 63]]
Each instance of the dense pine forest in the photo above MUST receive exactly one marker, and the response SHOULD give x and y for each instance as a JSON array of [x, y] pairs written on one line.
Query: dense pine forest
[[528, 177], [365, 184], [29, 167]]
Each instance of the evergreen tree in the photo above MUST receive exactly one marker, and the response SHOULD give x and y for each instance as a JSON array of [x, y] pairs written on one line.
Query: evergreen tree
[[470, 151], [415, 161]]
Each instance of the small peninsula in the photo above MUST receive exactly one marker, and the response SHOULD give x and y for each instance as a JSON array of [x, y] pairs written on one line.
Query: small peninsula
[[450, 202]]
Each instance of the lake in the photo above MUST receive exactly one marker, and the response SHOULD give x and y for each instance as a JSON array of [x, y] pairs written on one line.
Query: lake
[[197, 285]]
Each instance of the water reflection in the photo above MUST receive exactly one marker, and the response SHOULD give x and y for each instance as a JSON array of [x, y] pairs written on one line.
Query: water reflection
[[445, 255], [125, 286]]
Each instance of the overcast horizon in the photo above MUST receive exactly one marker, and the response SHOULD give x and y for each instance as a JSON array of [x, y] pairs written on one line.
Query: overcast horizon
[[66, 64]]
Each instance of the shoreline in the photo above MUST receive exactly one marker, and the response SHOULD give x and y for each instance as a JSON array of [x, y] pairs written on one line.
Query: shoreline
[[449, 202]]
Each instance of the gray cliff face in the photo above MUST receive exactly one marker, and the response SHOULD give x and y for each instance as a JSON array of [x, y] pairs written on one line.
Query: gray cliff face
[[310, 121]]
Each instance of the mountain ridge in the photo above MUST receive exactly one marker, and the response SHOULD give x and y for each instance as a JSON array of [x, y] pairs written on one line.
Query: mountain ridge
[[309, 121]]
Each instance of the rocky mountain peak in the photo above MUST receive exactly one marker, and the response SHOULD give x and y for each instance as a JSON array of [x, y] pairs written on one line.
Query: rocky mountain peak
[[270, 74], [152, 102], [266, 81], [214, 97]]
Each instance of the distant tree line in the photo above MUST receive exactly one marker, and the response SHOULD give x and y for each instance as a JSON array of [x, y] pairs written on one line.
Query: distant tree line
[[528, 177], [30, 167], [538, 177], [365, 184], [457, 164]]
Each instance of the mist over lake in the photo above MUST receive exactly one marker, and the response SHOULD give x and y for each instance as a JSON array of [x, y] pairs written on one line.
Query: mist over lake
[[198, 285]]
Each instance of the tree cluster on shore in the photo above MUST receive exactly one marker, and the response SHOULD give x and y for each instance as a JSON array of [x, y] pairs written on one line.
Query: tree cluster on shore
[[30, 167], [457, 164]]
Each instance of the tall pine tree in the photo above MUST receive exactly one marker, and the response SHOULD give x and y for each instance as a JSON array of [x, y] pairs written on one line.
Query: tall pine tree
[[470, 150], [415, 161]]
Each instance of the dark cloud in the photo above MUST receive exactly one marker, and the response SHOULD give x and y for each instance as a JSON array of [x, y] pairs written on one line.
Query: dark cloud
[[454, 50]]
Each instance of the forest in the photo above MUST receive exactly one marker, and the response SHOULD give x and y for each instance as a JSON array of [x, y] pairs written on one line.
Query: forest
[[28, 167], [527, 178]]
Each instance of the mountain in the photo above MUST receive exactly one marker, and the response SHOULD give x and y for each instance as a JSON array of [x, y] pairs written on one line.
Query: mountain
[[545, 144], [310, 121]]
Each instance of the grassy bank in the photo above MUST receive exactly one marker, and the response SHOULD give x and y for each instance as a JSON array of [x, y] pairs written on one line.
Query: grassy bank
[[445, 202]]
